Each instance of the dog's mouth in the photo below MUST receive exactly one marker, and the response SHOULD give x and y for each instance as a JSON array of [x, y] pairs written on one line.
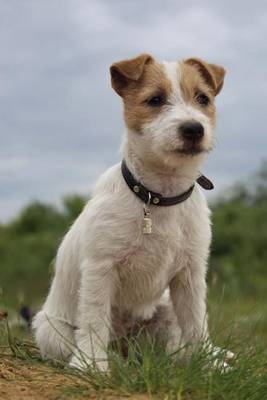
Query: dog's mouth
[[190, 150]]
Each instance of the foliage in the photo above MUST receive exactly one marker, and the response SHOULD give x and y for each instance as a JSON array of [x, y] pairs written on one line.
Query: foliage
[[28, 246], [239, 251]]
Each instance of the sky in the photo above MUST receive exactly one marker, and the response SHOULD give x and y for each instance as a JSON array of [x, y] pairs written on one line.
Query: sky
[[61, 123]]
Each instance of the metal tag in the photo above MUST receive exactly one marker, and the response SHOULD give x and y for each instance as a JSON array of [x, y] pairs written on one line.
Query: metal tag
[[147, 224], [147, 221]]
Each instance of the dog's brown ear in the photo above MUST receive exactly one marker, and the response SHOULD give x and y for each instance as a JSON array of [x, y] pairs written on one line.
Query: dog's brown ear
[[123, 72], [212, 73]]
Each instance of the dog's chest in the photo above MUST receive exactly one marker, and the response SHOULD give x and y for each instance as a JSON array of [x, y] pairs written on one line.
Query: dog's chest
[[149, 261]]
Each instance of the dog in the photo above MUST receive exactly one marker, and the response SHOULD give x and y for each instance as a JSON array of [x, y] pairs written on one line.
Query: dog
[[138, 251]]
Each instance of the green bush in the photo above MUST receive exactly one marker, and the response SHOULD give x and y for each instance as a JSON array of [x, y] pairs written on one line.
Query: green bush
[[28, 246]]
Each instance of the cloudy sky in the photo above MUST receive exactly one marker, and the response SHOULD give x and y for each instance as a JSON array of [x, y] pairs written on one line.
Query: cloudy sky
[[60, 122]]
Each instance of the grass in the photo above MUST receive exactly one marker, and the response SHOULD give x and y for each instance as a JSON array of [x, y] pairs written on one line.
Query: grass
[[150, 372]]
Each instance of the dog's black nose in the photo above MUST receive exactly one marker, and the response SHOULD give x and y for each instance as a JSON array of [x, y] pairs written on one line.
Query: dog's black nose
[[192, 130]]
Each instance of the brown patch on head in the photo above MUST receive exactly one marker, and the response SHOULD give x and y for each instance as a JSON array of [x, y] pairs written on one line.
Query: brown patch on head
[[199, 78], [127, 71], [212, 73], [137, 81]]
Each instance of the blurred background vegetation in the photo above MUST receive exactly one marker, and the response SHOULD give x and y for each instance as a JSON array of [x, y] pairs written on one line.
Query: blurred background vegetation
[[237, 273]]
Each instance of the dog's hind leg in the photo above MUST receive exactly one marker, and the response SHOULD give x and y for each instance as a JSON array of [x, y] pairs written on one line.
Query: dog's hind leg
[[54, 336], [158, 323], [164, 327], [54, 324]]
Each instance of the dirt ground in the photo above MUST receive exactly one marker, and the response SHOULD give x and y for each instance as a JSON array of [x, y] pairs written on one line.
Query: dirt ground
[[20, 380]]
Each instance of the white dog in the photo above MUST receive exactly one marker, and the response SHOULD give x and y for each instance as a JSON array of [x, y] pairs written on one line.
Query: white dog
[[138, 251]]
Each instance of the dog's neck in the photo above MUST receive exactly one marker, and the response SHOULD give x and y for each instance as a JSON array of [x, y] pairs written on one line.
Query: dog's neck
[[168, 181]]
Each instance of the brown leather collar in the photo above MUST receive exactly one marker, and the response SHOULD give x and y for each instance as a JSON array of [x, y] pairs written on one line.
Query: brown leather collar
[[148, 196]]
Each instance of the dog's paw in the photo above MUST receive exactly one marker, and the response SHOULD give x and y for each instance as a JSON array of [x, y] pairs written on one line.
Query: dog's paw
[[227, 354], [221, 359], [83, 363]]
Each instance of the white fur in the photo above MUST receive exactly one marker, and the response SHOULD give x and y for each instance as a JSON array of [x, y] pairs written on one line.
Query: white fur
[[107, 268]]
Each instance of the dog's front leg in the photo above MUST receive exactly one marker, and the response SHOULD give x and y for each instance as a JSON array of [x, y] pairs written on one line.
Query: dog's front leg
[[188, 294], [94, 315]]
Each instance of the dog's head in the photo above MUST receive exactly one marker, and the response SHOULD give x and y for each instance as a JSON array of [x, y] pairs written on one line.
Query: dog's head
[[169, 107]]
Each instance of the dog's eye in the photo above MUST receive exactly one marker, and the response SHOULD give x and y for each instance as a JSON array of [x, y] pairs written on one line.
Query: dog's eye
[[156, 101], [202, 99]]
